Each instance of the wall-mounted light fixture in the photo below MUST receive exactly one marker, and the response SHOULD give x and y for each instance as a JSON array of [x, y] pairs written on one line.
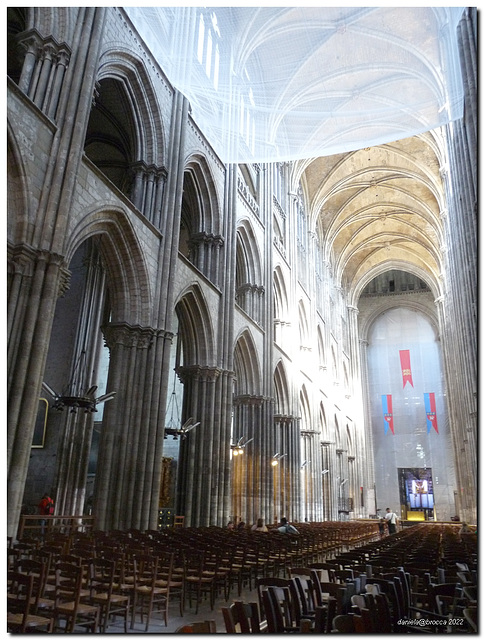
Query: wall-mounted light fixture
[[70, 398], [239, 446], [276, 457], [324, 471], [305, 463], [181, 431]]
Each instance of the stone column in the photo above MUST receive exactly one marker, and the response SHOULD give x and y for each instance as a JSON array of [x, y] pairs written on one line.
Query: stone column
[[369, 462], [147, 191], [75, 445], [286, 480], [38, 280], [246, 481], [199, 464], [30, 41], [129, 466]]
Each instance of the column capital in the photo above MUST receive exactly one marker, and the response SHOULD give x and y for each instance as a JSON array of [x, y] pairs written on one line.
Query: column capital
[[249, 400], [127, 335], [198, 372]]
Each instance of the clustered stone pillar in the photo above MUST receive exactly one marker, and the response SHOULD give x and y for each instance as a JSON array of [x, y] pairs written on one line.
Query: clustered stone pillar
[[286, 482], [75, 445], [36, 281], [148, 189], [250, 298], [43, 71], [205, 254], [204, 453], [247, 468], [458, 308], [131, 447], [311, 475]]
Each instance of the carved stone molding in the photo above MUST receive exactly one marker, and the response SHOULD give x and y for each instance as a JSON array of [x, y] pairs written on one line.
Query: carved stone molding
[[128, 335], [198, 372]]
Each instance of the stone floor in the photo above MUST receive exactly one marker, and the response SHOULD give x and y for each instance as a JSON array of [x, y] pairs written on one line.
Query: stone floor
[[175, 620]]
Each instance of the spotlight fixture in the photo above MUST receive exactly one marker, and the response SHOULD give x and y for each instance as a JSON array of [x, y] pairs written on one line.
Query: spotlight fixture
[[276, 457], [238, 448]]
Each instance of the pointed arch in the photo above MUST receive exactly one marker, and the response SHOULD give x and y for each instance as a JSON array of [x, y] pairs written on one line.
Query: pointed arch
[[200, 206], [248, 268], [281, 390], [334, 364], [304, 408], [337, 433], [18, 209], [119, 65], [130, 291], [246, 366], [304, 341], [195, 329], [349, 440], [321, 348], [323, 423]]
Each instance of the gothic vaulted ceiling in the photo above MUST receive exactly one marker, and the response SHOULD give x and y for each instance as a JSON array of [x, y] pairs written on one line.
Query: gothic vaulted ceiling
[[377, 209]]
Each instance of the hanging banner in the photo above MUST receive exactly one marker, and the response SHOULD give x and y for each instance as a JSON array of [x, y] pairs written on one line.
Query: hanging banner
[[406, 370], [429, 399], [386, 403]]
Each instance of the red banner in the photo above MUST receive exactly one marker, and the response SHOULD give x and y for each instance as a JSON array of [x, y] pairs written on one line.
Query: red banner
[[406, 370]]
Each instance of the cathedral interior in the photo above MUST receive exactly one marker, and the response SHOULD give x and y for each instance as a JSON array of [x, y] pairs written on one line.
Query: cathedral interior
[[242, 273]]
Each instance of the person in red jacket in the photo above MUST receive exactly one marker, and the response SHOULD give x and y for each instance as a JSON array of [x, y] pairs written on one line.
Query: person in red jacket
[[46, 508]]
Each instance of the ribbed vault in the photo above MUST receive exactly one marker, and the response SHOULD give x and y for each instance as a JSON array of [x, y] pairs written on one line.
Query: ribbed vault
[[378, 206]]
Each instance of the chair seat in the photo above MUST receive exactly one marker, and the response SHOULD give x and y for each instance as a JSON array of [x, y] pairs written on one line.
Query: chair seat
[[69, 607], [102, 598], [146, 590], [17, 619]]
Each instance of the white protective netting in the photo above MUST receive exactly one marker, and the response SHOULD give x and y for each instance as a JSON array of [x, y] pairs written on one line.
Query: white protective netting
[[282, 83]]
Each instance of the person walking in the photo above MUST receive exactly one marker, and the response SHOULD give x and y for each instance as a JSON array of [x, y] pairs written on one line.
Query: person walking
[[391, 518]]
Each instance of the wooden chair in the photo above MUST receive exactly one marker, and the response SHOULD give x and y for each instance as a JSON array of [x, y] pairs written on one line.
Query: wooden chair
[[305, 596], [243, 617], [470, 614], [19, 598], [205, 626], [102, 582], [177, 582], [68, 604], [198, 580], [147, 595], [445, 598], [344, 623], [322, 590], [326, 567], [38, 570], [263, 584], [278, 610]]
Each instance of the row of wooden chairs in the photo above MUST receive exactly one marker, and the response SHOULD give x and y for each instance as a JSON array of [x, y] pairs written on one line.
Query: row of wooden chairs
[[90, 594]]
